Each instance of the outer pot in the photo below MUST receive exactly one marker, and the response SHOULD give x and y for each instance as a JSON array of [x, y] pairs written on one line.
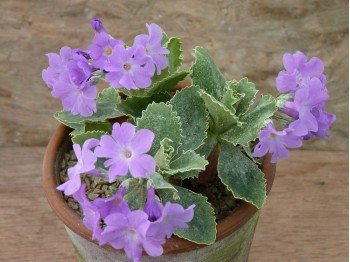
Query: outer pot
[[234, 233]]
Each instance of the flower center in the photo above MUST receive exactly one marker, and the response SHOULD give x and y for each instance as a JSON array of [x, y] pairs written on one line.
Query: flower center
[[108, 50], [127, 66], [132, 235], [127, 153]]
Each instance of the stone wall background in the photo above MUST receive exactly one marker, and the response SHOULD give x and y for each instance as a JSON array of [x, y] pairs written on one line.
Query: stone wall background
[[246, 38]]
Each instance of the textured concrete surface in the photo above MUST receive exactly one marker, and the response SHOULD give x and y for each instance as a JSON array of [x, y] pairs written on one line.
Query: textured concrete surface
[[246, 38]]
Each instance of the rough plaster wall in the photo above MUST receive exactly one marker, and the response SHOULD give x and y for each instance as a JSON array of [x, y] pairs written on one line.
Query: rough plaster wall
[[246, 38]]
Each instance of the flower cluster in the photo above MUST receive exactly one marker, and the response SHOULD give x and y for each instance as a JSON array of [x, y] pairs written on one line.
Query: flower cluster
[[111, 220], [304, 93], [168, 136], [72, 74]]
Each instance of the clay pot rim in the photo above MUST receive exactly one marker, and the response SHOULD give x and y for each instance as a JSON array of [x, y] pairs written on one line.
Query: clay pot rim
[[173, 245]]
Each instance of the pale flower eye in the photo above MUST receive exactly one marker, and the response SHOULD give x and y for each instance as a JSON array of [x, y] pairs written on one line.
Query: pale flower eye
[[127, 153]]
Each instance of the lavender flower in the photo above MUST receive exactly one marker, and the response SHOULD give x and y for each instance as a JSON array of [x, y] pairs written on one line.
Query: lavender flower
[[128, 231], [85, 164], [298, 70], [92, 216], [305, 100], [57, 65], [126, 68], [114, 204], [324, 120], [72, 185], [102, 49], [173, 216], [126, 151], [97, 25], [154, 49], [275, 142], [72, 85], [153, 207]]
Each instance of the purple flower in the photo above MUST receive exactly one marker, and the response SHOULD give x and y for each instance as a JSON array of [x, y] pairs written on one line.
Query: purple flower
[[57, 65], [276, 142], [126, 68], [153, 207], [298, 70], [126, 151], [92, 217], [128, 231], [97, 25], [72, 185], [154, 49], [173, 216], [306, 98], [85, 164], [114, 204], [73, 88], [102, 49], [324, 120]]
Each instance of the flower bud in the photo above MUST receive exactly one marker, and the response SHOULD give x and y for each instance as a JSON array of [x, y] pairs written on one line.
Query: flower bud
[[97, 25]]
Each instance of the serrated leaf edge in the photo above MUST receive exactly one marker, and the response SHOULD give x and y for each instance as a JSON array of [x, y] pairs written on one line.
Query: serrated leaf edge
[[173, 112], [212, 212], [214, 100], [206, 115], [89, 132], [171, 172]]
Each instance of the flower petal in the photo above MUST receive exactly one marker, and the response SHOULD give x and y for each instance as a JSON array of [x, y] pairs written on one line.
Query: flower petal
[[123, 133], [119, 168], [142, 166], [142, 141]]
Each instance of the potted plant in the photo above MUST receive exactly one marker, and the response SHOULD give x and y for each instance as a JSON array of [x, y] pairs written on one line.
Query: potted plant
[[165, 169]]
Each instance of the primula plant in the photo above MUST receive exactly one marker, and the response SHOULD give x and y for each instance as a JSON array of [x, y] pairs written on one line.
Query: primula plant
[[144, 136]]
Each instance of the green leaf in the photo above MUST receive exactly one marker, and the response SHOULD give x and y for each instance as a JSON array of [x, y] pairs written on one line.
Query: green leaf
[[161, 84], [133, 106], [168, 83], [187, 161], [202, 228], [78, 128], [223, 118], [206, 74], [136, 193], [193, 117], [98, 126], [231, 98], [241, 176], [159, 182], [164, 154], [205, 150], [106, 109], [249, 91], [252, 122], [81, 138], [208, 146], [249, 153], [187, 174], [175, 57], [165, 39], [160, 119]]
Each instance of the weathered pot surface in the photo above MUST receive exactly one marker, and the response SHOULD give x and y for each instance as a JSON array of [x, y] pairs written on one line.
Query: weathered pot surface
[[233, 238]]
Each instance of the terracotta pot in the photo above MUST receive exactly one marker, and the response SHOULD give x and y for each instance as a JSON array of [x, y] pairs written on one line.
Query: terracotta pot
[[234, 233]]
